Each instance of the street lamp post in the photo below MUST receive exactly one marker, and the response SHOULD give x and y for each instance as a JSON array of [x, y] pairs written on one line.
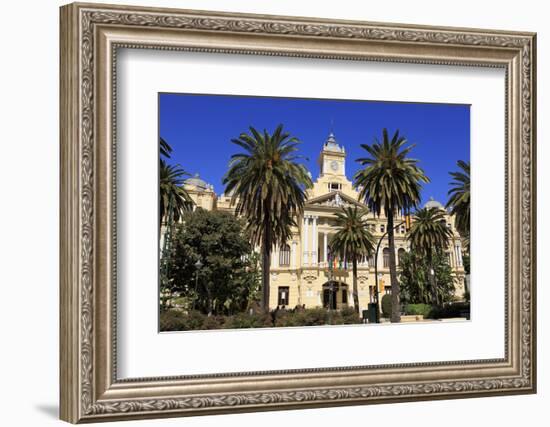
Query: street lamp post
[[198, 266]]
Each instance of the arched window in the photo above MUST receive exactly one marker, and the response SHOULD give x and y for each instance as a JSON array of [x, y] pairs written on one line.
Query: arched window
[[400, 254], [284, 255], [386, 255]]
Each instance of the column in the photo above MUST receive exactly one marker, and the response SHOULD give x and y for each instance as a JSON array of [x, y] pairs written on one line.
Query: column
[[305, 239], [458, 255], [314, 244], [325, 247], [293, 255]]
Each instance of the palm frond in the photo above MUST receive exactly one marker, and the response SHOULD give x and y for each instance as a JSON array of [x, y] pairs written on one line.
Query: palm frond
[[459, 199], [353, 240], [266, 183], [429, 232], [390, 180], [174, 199], [164, 148]]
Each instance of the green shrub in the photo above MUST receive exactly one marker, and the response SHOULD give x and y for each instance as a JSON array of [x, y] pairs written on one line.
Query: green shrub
[[172, 320], [334, 318], [418, 309], [308, 317], [194, 320], [284, 318], [315, 316], [350, 316], [245, 320], [176, 320], [386, 305], [214, 322]]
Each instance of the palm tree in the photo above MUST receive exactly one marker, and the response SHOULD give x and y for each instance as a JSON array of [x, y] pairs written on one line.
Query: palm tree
[[429, 235], [459, 200], [174, 199], [267, 185], [352, 241], [390, 181]]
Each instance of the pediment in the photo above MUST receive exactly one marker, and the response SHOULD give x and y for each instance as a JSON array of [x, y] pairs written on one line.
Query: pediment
[[334, 199]]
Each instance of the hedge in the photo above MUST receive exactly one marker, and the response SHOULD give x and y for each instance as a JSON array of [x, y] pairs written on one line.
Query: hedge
[[457, 309], [418, 309], [177, 320]]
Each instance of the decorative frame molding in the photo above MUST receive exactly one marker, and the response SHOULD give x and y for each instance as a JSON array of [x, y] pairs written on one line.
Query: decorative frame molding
[[90, 36]]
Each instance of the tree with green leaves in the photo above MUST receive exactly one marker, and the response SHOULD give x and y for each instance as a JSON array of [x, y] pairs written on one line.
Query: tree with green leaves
[[267, 186], [352, 241], [228, 278], [459, 200], [390, 182], [428, 236], [173, 202], [414, 278]]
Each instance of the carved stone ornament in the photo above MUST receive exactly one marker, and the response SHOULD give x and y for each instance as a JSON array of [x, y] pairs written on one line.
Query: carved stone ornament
[[90, 37]]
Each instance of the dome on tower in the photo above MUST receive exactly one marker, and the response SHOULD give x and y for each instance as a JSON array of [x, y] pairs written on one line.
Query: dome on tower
[[197, 182], [332, 145], [433, 204]]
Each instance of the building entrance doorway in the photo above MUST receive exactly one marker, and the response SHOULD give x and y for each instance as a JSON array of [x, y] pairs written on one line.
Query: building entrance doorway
[[331, 290]]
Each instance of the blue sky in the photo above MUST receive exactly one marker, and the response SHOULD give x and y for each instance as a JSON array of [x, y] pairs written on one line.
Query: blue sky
[[200, 129]]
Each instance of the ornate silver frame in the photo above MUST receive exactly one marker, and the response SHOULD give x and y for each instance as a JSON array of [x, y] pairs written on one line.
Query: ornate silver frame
[[90, 36]]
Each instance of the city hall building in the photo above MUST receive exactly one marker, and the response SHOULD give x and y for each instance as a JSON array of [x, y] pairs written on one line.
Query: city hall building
[[300, 272]]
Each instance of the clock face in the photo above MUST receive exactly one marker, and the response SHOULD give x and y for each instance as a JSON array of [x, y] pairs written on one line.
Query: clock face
[[334, 165]]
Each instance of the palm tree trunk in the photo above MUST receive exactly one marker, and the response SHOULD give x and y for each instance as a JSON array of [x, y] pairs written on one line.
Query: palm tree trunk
[[266, 266], [355, 292], [395, 303]]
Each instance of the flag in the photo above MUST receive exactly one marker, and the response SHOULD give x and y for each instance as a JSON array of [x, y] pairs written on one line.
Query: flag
[[408, 222]]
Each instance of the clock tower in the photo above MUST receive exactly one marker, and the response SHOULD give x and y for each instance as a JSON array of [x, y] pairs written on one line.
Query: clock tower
[[332, 160], [332, 177]]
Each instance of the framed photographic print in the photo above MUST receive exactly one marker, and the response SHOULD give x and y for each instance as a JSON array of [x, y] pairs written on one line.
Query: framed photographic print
[[264, 212]]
